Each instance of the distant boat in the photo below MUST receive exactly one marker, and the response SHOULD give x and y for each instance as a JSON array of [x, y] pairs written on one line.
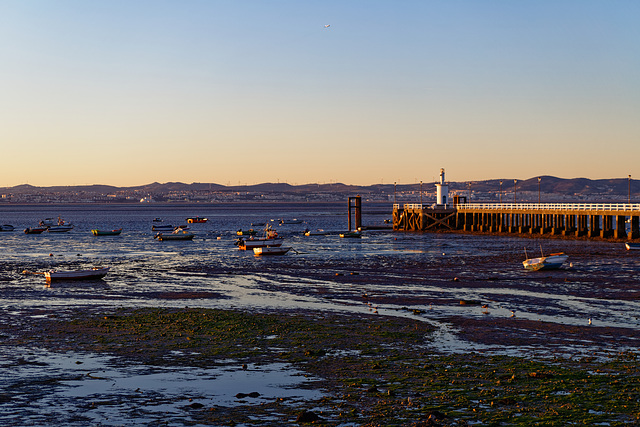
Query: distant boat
[[318, 232], [56, 226], [35, 230], [60, 228], [550, 262], [7, 227], [250, 232], [106, 232], [91, 274], [290, 221], [157, 219], [632, 246], [162, 228], [351, 234], [271, 250], [270, 239], [176, 235], [196, 219]]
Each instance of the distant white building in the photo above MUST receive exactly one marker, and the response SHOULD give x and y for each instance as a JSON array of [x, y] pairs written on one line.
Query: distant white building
[[442, 190]]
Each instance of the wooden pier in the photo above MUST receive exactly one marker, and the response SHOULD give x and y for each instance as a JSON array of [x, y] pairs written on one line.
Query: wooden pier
[[591, 220]]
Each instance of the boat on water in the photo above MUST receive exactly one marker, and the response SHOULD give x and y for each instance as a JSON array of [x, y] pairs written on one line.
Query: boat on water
[[351, 234], [270, 239], [107, 232], [60, 228], [157, 219], [318, 232], [632, 246], [250, 232], [196, 219], [90, 274], [271, 250], [178, 234], [290, 221], [56, 226], [35, 230], [167, 227], [7, 227], [549, 262]]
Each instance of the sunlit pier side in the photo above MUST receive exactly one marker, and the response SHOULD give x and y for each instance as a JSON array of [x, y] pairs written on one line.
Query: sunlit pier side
[[607, 221], [591, 220]]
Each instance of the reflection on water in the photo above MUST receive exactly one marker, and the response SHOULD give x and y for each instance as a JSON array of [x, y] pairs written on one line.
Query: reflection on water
[[45, 389]]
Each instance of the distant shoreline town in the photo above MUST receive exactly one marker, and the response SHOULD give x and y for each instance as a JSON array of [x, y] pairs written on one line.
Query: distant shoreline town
[[547, 189]]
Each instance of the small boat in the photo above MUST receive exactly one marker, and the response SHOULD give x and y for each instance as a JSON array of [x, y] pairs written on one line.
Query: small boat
[[550, 262], [632, 246], [162, 228], [60, 228], [250, 232], [290, 221], [91, 274], [270, 239], [7, 227], [51, 222], [106, 232], [318, 232], [35, 230], [351, 234], [271, 250], [157, 219], [176, 235], [196, 219]]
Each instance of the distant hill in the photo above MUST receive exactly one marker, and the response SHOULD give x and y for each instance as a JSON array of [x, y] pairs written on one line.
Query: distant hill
[[604, 188]]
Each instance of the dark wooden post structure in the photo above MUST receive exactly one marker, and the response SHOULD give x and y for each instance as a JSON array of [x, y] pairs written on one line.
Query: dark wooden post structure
[[356, 205]]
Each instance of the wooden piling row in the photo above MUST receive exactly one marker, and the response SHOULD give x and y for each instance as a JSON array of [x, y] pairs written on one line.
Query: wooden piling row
[[607, 221]]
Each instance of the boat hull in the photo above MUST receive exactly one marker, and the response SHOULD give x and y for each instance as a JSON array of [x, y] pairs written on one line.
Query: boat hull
[[59, 229], [197, 220], [174, 236], [35, 230], [106, 232], [550, 262], [259, 243], [270, 250], [632, 246], [60, 275]]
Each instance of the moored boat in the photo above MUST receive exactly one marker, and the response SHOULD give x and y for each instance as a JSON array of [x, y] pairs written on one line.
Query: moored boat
[[250, 232], [632, 246], [176, 235], [351, 234], [7, 227], [167, 227], [196, 219], [90, 274], [270, 239], [60, 228], [106, 232], [271, 250], [550, 262], [318, 232], [35, 230]]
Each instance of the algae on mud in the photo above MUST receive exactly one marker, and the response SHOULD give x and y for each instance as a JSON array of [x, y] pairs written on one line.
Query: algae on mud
[[374, 370]]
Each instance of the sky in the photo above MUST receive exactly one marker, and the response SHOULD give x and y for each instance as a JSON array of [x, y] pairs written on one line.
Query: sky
[[130, 92]]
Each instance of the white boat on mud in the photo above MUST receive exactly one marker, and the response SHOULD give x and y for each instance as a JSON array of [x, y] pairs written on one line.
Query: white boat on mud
[[550, 262]]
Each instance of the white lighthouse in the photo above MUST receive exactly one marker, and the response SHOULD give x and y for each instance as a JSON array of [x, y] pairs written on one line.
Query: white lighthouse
[[442, 190]]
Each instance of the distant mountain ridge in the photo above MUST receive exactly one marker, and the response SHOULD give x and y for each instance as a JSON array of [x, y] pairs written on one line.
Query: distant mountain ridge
[[547, 184]]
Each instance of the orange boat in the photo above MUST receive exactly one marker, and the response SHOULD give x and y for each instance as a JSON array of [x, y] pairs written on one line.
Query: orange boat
[[196, 219]]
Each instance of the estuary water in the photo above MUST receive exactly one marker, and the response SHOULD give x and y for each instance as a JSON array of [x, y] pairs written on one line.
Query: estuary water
[[472, 288], [431, 272]]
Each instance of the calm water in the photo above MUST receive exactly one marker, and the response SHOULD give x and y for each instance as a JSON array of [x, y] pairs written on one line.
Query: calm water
[[422, 270]]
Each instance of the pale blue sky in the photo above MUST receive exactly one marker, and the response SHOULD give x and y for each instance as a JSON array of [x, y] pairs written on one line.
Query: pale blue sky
[[131, 92]]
